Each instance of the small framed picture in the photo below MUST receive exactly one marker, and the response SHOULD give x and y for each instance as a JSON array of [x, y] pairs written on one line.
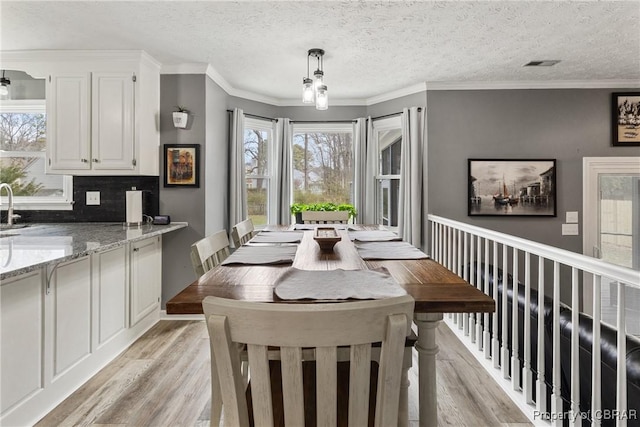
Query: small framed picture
[[626, 118], [182, 165], [504, 187]]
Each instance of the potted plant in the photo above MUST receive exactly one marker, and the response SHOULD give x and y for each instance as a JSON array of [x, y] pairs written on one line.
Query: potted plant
[[180, 117], [298, 208]]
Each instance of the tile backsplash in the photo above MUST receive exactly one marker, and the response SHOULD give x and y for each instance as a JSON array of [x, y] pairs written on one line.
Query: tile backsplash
[[112, 200]]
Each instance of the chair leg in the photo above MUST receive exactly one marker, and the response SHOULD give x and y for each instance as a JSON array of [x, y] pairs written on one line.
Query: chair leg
[[403, 409], [216, 396]]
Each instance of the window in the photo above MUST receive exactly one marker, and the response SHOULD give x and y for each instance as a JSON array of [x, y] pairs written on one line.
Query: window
[[258, 144], [23, 156], [323, 163], [388, 137]]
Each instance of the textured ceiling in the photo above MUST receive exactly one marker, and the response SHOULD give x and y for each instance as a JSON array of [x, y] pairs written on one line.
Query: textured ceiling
[[373, 48]]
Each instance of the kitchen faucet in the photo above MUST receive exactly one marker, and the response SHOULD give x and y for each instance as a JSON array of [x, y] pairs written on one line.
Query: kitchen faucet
[[10, 195]]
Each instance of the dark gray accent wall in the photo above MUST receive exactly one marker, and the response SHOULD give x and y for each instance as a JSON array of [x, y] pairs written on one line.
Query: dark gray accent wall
[[566, 124], [182, 204]]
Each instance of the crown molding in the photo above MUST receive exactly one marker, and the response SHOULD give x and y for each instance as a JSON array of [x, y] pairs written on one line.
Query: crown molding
[[410, 90], [534, 84]]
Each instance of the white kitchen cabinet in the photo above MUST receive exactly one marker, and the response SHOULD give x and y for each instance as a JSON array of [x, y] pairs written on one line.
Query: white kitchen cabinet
[[110, 284], [102, 114], [146, 277], [22, 339], [70, 314]]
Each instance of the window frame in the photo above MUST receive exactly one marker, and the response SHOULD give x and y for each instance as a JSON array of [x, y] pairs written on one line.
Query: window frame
[[251, 123], [329, 127], [29, 203], [382, 125]]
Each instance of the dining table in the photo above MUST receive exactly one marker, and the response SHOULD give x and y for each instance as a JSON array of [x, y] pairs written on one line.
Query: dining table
[[435, 289]]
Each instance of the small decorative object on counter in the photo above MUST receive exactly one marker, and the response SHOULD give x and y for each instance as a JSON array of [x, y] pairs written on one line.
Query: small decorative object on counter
[[180, 117], [327, 237]]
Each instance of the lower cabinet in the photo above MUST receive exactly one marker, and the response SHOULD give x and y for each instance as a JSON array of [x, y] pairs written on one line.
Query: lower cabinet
[[22, 339], [146, 277], [61, 324]]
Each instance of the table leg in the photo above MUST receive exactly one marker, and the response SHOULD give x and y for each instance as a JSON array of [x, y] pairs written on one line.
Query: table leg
[[427, 350]]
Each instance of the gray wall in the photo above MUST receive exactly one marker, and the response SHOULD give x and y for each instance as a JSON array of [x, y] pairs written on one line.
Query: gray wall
[[396, 105], [182, 204], [563, 124]]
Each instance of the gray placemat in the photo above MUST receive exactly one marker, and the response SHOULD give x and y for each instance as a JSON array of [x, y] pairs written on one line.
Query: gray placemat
[[373, 235], [277, 237], [337, 285], [389, 250], [257, 255]]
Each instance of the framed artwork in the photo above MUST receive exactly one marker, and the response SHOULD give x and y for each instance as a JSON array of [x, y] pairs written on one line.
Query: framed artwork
[[505, 187], [625, 120], [182, 165]]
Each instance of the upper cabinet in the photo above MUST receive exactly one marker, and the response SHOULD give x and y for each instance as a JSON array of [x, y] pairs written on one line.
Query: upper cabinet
[[102, 110]]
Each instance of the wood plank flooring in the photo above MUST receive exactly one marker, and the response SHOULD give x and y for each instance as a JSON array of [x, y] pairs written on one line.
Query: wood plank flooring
[[163, 380]]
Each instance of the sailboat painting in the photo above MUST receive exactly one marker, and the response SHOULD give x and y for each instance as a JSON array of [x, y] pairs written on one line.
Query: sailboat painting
[[499, 187]]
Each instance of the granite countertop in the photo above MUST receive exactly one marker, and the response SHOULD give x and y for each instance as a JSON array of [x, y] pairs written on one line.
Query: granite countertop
[[37, 245]]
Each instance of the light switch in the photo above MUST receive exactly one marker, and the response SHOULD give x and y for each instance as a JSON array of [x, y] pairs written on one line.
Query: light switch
[[569, 229], [572, 218], [93, 198]]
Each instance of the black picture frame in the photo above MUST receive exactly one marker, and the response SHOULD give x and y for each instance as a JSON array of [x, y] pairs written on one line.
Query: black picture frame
[[625, 119], [512, 187], [181, 165]]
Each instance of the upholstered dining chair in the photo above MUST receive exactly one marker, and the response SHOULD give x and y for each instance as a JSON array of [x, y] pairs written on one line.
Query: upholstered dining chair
[[325, 217], [209, 252], [331, 332], [242, 232]]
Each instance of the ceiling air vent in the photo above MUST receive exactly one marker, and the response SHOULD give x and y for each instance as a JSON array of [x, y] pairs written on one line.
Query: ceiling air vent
[[543, 63]]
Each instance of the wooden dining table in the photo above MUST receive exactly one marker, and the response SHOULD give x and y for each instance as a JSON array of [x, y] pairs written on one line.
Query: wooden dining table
[[435, 289]]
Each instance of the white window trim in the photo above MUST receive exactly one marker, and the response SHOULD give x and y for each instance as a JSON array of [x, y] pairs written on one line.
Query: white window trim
[[382, 125], [28, 203], [267, 126]]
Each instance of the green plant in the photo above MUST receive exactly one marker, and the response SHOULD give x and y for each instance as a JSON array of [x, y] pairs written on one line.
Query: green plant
[[325, 207], [181, 109]]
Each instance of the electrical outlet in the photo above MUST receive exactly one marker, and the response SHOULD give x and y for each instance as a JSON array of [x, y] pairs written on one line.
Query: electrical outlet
[[93, 198]]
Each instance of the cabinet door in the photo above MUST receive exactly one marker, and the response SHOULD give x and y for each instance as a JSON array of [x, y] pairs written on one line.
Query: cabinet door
[[146, 276], [109, 272], [68, 115], [21, 339], [112, 145], [71, 310]]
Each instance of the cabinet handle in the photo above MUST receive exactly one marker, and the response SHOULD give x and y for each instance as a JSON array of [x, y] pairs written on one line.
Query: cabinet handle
[[95, 160], [84, 160], [136, 249]]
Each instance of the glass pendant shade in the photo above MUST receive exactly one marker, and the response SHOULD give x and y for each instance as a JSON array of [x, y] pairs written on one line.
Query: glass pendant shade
[[307, 91], [4, 90], [318, 79], [322, 98]]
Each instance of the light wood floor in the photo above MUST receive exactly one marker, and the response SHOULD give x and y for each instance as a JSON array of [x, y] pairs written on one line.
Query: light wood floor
[[163, 380]]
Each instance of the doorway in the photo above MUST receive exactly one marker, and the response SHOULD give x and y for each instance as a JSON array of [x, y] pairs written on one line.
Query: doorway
[[611, 206]]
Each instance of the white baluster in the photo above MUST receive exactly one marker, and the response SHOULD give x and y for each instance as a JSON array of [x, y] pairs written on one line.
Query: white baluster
[[495, 341], [486, 339], [433, 240], [556, 398], [478, 283], [575, 348], [471, 277], [449, 247], [505, 308], [621, 377], [541, 385], [515, 345], [596, 382], [527, 375]]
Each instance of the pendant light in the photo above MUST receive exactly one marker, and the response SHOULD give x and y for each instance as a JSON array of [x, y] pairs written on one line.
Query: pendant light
[[4, 85], [314, 90]]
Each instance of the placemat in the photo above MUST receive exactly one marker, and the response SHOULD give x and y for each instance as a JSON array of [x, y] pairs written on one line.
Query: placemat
[[339, 284], [373, 235], [262, 255], [389, 250], [277, 237]]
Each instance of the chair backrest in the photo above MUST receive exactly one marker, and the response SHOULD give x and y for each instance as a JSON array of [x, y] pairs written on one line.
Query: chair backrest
[[209, 252], [242, 232], [325, 217], [322, 327]]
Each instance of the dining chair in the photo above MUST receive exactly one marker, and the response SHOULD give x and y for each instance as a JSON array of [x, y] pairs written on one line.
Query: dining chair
[[209, 252], [325, 217], [331, 332], [242, 232]]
